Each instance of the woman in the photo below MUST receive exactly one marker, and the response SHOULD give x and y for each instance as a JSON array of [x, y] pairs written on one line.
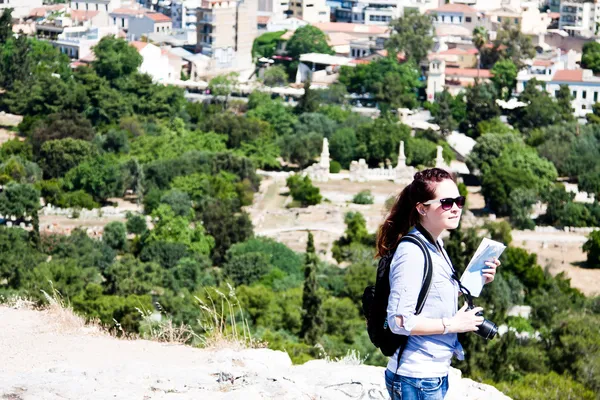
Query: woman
[[427, 207]]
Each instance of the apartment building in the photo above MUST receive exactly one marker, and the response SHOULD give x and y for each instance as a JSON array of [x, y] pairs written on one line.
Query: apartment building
[[226, 32], [183, 13], [95, 5], [421, 6], [580, 19], [21, 8], [311, 11], [456, 14]]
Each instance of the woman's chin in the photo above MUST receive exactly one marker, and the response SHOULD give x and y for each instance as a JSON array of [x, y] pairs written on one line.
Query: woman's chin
[[452, 223]]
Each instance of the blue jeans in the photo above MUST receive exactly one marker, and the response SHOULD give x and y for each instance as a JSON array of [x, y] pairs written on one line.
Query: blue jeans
[[405, 388]]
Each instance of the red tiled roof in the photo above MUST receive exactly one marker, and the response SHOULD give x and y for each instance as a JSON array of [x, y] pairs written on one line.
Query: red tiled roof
[[158, 17], [128, 11], [358, 61], [473, 51], [568, 75], [543, 63], [82, 15], [40, 12], [138, 45], [457, 8], [554, 15], [468, 73], [262, 19], [350, 28]]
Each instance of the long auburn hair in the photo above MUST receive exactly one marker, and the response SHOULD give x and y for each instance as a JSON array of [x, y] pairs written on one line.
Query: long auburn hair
[[404, 215]]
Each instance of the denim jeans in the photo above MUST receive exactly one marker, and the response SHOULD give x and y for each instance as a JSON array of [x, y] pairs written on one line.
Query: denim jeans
[[405, 388]]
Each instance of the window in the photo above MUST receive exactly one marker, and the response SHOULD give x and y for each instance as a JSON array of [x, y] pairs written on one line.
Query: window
[[584, 94], [556, 93], [310, 5], [467, 19], [499, 19], [97, 7], [114, 20], [574, 94], [157, 29], [583, 107], [451, 19], [516, 20], [595, 97]]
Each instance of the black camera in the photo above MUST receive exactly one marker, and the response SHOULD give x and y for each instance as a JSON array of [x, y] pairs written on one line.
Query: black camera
[[487, 329]]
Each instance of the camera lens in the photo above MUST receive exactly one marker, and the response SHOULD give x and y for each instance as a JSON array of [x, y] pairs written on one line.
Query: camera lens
[[487, 329]]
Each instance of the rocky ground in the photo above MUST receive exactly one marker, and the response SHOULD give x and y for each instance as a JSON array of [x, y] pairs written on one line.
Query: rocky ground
[[48, 355]]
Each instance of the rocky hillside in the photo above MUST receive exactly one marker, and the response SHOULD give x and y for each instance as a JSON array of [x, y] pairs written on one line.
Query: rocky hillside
[[52, 355]]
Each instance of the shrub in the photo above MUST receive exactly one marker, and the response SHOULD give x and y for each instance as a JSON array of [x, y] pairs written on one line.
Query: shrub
[[303, 191], [363, 197], [335, 167]]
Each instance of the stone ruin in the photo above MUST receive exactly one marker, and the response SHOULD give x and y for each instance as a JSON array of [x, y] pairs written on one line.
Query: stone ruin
[[360, 171]]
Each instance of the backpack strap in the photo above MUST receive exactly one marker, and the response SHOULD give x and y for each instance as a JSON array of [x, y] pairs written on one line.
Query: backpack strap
[[428, 270], [426, 283]]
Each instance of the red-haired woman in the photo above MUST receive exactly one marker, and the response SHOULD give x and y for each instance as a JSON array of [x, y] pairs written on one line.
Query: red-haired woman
[[427, 207]]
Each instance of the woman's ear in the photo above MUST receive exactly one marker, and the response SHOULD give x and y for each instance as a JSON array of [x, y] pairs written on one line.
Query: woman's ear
[[421, 210]]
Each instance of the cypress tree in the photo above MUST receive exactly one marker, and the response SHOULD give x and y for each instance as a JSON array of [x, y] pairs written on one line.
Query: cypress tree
[[312, 320]]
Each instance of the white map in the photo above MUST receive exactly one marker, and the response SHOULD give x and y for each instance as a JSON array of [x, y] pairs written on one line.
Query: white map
[[473, 278]]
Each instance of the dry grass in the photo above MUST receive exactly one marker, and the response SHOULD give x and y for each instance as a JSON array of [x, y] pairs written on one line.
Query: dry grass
[[223, 323]]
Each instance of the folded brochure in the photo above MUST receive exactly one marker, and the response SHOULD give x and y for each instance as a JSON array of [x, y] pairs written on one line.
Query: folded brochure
[[473, 278]]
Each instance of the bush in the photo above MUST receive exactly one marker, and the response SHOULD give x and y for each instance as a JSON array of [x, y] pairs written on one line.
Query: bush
[[303, 191], [136, 224], [335, 167], [592, 249], [115, 235], [363, 197]]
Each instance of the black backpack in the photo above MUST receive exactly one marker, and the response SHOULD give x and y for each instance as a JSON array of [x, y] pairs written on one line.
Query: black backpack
[[375, 301]]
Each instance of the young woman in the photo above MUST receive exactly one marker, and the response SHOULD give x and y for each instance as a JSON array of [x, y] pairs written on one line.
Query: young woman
[[427, 207]]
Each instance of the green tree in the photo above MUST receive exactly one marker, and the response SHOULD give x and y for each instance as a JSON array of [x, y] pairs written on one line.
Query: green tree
[[303, 191], [563, 99], [307, 39], [481, 105], [412, 34], [312, 319], [520, 202], [443, 115], [6, 31], [247, 268], [590, 58], [115, 58], [63, 125], [504, 77], [266, 44], [517, 166], [179, 201], [100, 176], [512, 44], [363, 197], [594, 116], [342, 145], [115, 235], [170, 228], [480, 39], [136, 224], [223, 86], [592, 249], [275, 76], [541, 110], [309, 102], [57, 157], [386, 79], [19, 200]]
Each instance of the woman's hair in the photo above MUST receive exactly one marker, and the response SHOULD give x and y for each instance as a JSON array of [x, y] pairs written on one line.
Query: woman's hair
[[403, 215]]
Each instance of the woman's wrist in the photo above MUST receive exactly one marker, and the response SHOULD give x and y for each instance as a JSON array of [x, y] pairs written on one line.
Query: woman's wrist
[[447, 325]]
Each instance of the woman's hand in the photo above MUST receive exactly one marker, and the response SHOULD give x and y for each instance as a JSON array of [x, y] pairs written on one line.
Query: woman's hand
[[465, 320], [490, 273]]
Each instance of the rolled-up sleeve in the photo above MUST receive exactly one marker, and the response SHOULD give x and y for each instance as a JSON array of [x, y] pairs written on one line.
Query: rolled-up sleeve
[[406, 277]]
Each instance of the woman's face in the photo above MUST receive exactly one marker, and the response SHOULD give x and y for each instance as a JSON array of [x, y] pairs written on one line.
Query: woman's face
[[435, 216]]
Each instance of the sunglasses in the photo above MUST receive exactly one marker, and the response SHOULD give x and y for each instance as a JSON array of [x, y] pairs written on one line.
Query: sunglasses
[[448, 202]]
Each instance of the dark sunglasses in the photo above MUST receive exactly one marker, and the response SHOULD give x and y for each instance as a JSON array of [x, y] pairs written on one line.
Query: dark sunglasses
[[448, 202]]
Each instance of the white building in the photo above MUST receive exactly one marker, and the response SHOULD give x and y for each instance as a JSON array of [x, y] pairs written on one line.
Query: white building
[[488, 5], [21, 8], [375, 12], [311, 11], [120, 16], [544, 70], [183, 13], [151, 22], [160, 64], [579, 19], [77, 42], [95, 5], [421, 6], [584, 87]]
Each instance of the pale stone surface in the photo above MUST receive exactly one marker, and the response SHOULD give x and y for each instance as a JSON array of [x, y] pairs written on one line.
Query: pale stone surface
[[44, 359]]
